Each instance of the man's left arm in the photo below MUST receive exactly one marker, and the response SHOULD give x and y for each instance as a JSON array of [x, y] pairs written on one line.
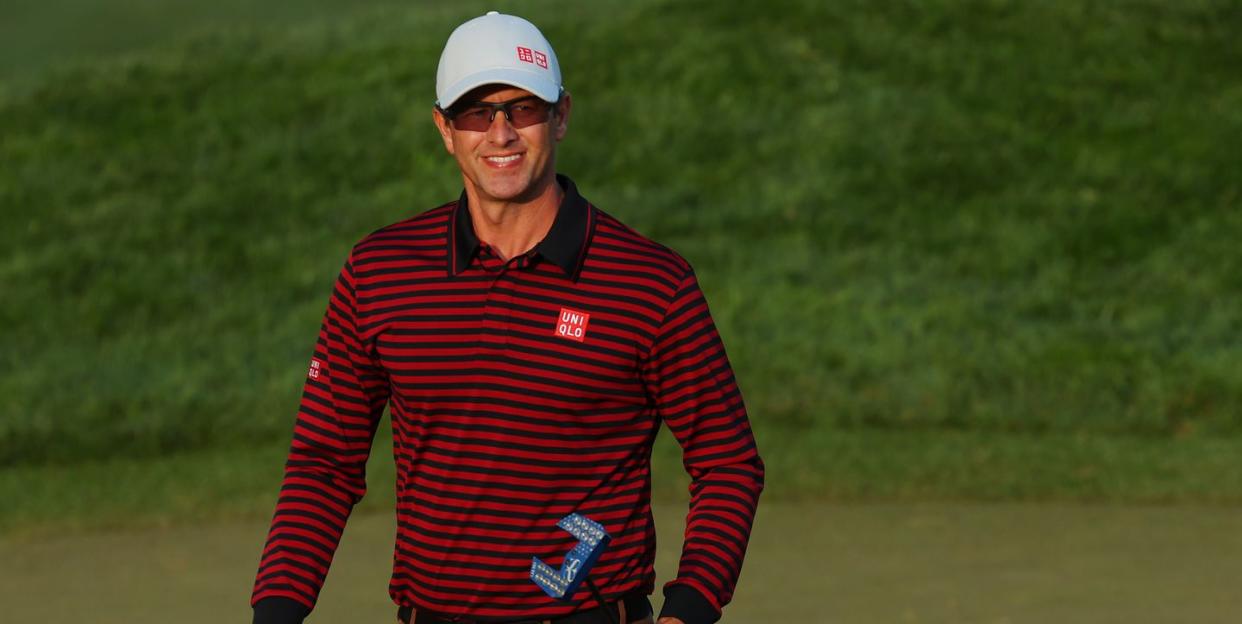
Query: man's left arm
[[689, 378]]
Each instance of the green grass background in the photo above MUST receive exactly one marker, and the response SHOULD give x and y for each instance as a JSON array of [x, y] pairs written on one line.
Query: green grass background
[[860, 563], [977, 250]]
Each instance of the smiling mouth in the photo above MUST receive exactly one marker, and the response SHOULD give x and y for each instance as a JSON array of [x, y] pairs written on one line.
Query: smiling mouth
[[503, 160]]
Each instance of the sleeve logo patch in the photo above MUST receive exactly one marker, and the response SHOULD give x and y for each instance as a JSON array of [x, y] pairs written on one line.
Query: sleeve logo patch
[[315, 367], [572, 324]]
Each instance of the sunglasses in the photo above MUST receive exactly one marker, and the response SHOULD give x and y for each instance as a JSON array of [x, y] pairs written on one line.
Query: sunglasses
[[478, 116]]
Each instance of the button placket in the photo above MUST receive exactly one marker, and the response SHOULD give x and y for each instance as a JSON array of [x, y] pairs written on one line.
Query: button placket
[[494, 306], [500, 296], [504, 301]]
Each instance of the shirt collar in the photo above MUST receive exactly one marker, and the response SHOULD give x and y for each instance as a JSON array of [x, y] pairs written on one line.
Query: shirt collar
[[565, 244]]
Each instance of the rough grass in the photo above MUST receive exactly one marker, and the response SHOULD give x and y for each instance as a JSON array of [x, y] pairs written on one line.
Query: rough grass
[[38, 36], [986, 221]]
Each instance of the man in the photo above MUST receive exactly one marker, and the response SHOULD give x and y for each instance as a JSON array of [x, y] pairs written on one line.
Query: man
[[528, 345]]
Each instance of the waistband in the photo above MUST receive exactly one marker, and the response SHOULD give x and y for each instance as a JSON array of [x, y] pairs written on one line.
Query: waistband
[[637, 607]]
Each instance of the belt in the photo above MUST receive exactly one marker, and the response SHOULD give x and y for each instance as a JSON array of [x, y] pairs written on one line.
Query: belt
[[634, 606]]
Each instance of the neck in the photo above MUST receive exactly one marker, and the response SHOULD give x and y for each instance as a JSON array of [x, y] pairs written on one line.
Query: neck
[[513, 227]]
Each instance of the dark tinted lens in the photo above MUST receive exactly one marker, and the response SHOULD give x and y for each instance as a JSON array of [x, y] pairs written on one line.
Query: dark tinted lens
[[528, 112], [473, 118], [522, 112]]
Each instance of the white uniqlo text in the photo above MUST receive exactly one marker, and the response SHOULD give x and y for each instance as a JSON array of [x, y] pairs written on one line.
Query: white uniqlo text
[[572, 324]]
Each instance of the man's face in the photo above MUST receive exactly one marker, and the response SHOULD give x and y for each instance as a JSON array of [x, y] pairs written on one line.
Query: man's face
[[503, 163]]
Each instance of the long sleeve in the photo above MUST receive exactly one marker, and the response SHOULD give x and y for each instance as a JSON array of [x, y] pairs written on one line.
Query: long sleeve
[[325, 475], [692, 384]]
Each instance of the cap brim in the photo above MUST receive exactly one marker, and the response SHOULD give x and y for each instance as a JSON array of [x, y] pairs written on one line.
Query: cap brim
[[536, 83]]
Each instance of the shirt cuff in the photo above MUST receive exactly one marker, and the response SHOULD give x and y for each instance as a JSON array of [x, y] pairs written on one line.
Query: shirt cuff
[[279, 610], [688, 605]]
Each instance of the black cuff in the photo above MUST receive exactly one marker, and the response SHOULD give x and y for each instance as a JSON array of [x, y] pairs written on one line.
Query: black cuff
[[688, 605], [279, 610]]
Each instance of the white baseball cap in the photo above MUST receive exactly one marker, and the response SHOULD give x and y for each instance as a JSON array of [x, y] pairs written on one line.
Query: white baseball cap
[[497, 49]]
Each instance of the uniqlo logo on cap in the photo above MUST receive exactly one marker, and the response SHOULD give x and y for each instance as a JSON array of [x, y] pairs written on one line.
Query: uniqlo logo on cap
[[572, 324], [541, 59], [526, 55]]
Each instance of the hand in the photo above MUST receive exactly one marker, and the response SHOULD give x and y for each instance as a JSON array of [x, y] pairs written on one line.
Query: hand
[[670, 620]]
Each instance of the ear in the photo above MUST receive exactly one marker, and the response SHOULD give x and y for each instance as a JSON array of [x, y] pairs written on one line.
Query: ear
[[446, 131], [562, 116]]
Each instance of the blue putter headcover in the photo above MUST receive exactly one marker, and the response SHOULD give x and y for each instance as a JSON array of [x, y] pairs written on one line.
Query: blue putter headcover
[[592, 541]]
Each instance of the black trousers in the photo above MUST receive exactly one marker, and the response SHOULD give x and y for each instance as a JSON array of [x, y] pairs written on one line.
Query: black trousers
[[637, 606]]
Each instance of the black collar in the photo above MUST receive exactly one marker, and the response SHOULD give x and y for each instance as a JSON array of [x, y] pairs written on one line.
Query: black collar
[[565, 245]]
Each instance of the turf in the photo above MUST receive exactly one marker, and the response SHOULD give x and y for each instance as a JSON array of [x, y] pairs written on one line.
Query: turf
[[938, 226], [865, 466], [859, 563]]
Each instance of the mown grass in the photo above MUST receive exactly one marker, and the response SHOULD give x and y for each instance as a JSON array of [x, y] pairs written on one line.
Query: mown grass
[[210, 485], [960, 224]]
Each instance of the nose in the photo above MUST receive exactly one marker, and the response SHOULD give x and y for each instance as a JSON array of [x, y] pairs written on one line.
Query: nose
[[500, 131]]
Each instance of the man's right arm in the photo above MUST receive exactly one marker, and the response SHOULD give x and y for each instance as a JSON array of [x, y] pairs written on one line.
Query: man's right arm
[[325, 475]]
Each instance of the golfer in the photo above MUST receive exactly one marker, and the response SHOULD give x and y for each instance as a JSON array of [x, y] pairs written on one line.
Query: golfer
[[528, 346]]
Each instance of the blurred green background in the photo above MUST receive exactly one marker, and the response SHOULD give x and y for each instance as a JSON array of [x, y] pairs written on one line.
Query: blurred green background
[[979, 250]]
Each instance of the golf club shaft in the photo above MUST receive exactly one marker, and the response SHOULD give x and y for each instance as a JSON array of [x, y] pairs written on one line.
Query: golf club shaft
[[612, 617]]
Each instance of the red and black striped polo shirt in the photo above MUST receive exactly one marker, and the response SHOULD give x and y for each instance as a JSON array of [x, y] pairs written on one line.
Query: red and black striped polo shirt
[[520, 391]]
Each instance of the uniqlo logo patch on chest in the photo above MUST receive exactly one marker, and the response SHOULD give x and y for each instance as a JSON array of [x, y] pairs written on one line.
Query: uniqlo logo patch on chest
[[572, 324], [315, 367]]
